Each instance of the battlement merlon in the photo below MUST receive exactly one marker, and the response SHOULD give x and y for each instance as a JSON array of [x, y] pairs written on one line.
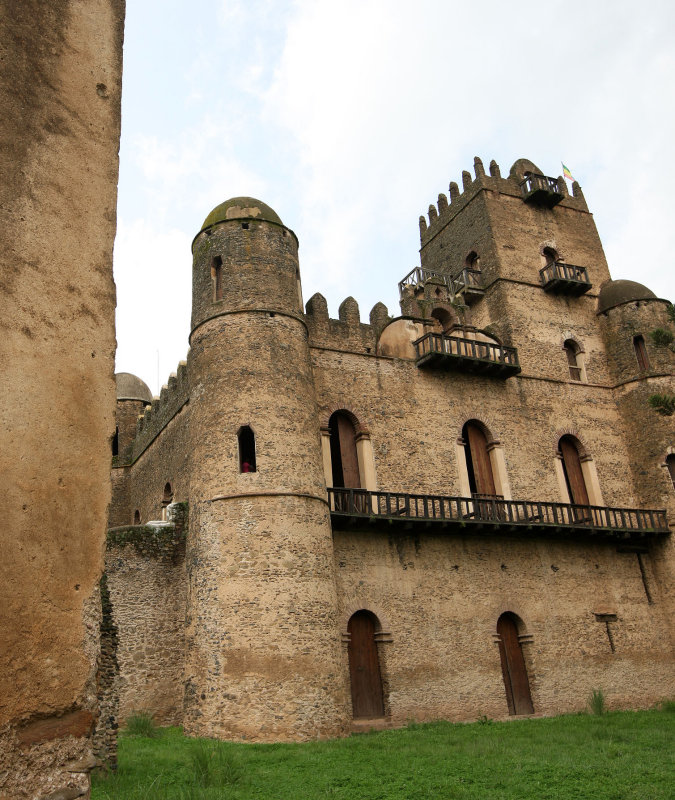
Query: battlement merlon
[[447, 208]]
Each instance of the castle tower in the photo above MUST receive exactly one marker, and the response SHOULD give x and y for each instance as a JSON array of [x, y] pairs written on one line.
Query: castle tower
[[264, 658]]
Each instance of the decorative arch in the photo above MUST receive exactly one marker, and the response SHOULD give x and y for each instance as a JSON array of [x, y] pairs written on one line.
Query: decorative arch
[[514, 672], [443, 316], [550, 244], [347, 407], [384, 630]]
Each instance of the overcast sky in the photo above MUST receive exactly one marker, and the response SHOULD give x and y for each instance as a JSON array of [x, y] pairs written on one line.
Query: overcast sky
[[349, 118]]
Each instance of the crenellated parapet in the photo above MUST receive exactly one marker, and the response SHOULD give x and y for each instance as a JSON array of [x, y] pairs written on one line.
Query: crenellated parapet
[[515, 185], [174, 395], [347, 332]]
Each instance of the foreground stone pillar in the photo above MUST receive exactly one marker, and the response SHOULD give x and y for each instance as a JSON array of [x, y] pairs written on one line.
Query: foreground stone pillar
[[60, 88]]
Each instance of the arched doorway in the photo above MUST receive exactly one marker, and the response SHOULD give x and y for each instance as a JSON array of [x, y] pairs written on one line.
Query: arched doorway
[[516, 683], [364, 666], [344, 460], [574, 477], [481, 477]]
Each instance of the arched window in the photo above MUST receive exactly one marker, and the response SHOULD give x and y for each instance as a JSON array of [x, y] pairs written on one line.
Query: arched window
[[343, 456], [167, 497], [641, 353], [217, 277], [473, 261], [574, 478], [137, 517], [574, 360], [246, 439], [670, 464], [116, 442], [481, 477], [443, 317], [364, 666], [550, 255], [514, 672]]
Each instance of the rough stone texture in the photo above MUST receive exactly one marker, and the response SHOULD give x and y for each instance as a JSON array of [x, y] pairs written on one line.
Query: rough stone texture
[[270, 592], [60, 88]]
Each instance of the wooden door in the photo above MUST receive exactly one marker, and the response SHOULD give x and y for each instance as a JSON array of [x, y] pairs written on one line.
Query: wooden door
[[480, 461], [576, 486], [516, 683], [345, 461], [364, 667]]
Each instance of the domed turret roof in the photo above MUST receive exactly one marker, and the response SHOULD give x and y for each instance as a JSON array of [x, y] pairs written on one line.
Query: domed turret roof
[[241, 208], [615, 293], [129, 387]]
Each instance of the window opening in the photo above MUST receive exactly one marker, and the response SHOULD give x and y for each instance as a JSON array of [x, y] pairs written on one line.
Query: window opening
[[343, 456], [246, 439], [116, 442], [572, 352], [217, 275], [514, 672], [670, 464], [244, 226], [364, 666], [641, 353], [550, 255], [167, 497], [137, 517], [574, 478]]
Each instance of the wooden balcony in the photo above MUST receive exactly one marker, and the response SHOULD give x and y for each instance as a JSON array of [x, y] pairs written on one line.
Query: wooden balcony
[[560, 278], [467, 285], [419, 276], [434, 350], [351, 508], [541, 190]]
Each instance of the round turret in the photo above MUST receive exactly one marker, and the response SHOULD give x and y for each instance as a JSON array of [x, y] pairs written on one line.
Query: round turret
[[241, 208], [131, 387], [616, 293]]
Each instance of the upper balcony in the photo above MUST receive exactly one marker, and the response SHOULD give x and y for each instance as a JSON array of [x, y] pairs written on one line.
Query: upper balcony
[[467, 355], [420, 276], [541, 190], [561, 278], [467, 285], [484, 514]]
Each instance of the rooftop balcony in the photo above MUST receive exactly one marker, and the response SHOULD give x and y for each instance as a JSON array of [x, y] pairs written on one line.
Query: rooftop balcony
[[561, 278], [541, 190], [481, 514], [467, 355]]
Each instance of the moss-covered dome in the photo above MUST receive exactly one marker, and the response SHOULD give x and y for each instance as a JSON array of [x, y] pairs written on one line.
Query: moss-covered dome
[[129, 387], [241, 208], [615, 293]]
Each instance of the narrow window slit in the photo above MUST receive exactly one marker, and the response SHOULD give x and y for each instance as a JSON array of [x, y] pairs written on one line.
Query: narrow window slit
[[246, 439]]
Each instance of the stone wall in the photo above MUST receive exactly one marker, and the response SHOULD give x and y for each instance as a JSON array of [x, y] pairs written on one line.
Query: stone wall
[[438, 599], [60, 93], [146, 580]]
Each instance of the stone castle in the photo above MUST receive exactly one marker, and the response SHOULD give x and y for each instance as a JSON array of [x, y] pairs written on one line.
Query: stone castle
[[462, 510]]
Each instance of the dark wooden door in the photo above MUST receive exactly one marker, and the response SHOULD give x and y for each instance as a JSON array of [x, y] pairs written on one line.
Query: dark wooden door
[[573, 474], [480, 461], [364, 667], [516, 683]]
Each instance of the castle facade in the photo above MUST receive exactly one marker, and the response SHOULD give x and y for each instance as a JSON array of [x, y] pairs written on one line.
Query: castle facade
[[464, 509]]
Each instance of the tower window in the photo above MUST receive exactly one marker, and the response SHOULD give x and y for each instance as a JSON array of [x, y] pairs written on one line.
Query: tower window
[[473, 261], [641, 353], [574, 360], [137, 517], [116, 443], [244, 226], [670, 464], [167, 497], [246, 439], [551, 256], [217, 277]]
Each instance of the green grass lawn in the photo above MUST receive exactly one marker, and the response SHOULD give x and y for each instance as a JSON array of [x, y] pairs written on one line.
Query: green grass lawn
[[615, 756]]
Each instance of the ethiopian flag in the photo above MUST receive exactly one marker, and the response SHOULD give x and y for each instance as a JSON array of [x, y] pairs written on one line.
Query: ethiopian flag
[[567, 173]]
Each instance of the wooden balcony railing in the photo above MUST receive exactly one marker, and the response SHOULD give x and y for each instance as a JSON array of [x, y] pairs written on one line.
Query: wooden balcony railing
[[469, 355], [351, 507], [468, 285], [541, 189], [564, 278], [418, 275]]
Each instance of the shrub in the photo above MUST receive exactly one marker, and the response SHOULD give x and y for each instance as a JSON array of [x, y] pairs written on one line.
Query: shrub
[[596, 702], [661, 337], [662, 403], [141, 724]]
